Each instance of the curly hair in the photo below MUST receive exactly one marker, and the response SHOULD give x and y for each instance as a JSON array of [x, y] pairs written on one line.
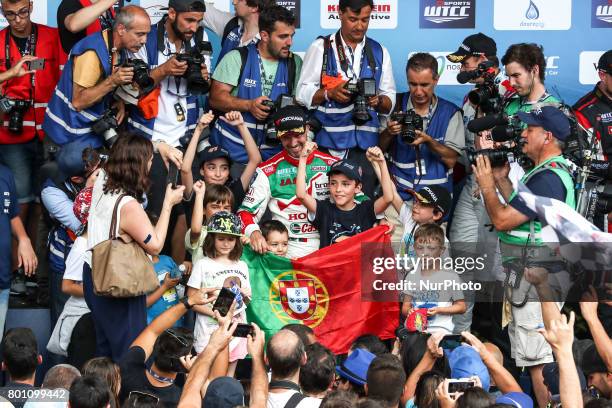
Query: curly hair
[[528, 55], [127, 168]]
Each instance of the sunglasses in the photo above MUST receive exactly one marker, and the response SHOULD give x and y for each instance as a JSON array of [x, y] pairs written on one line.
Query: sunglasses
[[178, 337], [136, 398]]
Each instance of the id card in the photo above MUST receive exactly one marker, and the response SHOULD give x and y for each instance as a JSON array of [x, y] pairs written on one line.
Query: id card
[[420, 167], [180, 112]]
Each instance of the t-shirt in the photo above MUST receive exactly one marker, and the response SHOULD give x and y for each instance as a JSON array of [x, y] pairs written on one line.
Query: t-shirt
[[410, 227], [544, 184], [75, 260], [21, 43], [68, 38], [228, 72], [87, 70], [18, 399], [10, 210], [279, 400], [237, 190], [133, 378], [163, 266], [195, 249], [334, 223], [429, 292]]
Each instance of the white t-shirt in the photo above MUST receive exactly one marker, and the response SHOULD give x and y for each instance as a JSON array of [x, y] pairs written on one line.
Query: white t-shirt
[[75, 260], [279, 400]]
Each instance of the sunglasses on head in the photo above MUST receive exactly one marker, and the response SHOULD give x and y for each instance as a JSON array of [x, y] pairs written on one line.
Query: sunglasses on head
[[136, 398]]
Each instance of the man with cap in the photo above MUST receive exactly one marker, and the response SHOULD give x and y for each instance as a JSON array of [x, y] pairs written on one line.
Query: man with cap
[[594, 112], [273, 186], [353, 372], [518, 228], [597, 373]]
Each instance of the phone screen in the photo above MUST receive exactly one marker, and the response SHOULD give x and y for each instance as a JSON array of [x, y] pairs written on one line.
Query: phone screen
[[243, 330], [173, 175], [451, 341], [459, 386], [37, 64], [224, 301]]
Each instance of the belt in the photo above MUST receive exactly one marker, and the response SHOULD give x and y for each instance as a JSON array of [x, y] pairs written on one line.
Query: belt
[[299, 239]]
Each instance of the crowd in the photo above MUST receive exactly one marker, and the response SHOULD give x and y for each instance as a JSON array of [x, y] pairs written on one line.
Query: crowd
[[134, 173]]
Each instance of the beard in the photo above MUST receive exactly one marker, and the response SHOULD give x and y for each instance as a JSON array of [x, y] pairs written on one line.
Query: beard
[[177, 31]]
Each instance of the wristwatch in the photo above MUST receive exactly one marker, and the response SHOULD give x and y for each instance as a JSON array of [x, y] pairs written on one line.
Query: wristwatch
[[185, 302]]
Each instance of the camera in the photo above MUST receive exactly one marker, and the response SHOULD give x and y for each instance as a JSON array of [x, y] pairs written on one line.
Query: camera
[[195, 58], [411, 122], [106, 127], [15, 108], [497, 157], [282, 101], [486, 96], [141, 75], [362, 90]]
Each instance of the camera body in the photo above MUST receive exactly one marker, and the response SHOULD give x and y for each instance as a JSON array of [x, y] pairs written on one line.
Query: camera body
[[361, 90], [141, 75], [497, 157], [106, 127], [195, 58], [486, 96], [15, 108], [411, 122]]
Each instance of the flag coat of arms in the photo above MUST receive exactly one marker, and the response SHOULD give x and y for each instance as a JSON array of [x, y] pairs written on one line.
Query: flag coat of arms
[[323, 291]]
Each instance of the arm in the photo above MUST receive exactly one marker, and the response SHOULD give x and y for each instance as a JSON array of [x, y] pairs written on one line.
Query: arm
[[447, 155], [25, 253], [300, 182], [197, 217], [457, 307], [167, 284], [406, 305], [538, 277], [397, 201], [427, 362], [252, 209], [80, 20], [603, 343], [72, 288], [186, 174], [18, 70], [172, 67], [259, 375], [59, 206], [83, 98], [375, 156], [222, 99], [207, 311], [386, 87]]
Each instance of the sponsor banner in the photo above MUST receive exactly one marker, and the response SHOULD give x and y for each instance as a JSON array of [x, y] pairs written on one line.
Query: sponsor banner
[[154, 7], [532, 14], [39, 14], [294, 6], [588, 67], [552, 65], [601, 14], [447, 14], [446, 70], [384, 15]]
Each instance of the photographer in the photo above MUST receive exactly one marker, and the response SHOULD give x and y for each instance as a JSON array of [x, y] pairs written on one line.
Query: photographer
[[594, 112], [348, 81], [76, 19], [84, 94], [518, 227], [26, 89], [425, 147], [251, 79]]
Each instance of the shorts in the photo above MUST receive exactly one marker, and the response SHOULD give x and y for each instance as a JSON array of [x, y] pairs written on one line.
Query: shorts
[[24, 160]]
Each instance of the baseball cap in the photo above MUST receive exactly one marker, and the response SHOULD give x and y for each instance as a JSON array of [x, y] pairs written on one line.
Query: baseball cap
[[592, 362], [475, 44], [224, 222], [213, 152], [183, 6], [550, 118], [348, 168], [355, 367], [550, 372], [516, 399], [605, 62], [224, 392], [290, 119], [70, 158], [465, 362], [436, 195]]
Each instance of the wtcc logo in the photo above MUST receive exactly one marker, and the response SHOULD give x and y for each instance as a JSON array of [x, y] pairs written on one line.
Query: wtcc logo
[[532, 15], [384, 14], [447, 14], [601, 14]]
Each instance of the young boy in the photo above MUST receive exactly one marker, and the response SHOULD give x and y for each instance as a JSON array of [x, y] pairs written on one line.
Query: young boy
[[428, 290], [342, 217], [276, 235]]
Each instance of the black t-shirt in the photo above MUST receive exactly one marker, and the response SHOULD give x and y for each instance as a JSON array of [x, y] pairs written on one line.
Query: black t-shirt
[[21, 42], [544, 184], [68, 38], [237, 190], [133, 378], [334, 223]]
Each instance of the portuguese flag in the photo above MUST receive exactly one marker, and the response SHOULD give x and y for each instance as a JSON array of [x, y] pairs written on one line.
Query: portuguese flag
[[323, 291]]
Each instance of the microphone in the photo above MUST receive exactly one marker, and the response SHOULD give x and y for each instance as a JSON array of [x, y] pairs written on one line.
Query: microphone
[[487, 122], [465, 76]]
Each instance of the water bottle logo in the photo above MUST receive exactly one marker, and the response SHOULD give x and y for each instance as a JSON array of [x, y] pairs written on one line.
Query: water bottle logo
[[533, 13]]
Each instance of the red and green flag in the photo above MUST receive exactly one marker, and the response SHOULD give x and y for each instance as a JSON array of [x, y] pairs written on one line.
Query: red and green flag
[[323, 291]]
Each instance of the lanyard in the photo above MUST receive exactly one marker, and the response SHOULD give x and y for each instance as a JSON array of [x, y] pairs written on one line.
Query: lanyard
[[168, 46], [345, 65], [29, 50], [262, 74]]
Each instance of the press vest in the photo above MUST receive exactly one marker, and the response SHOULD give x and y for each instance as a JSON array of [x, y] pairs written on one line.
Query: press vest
[[60, 238], [231, 37], [339, 132], [63, 123], [45, 80], [250, 87], [403, 156]]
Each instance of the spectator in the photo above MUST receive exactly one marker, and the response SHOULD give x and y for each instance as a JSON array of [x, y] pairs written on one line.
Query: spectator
[[322, 87], [340, 217], [118, 321], [21, 139], [318, 374], [597, 373], [474, 397], [103, 367], [91, 75], [588, 306], [465, 362], [60, 376], [551, 375], [353, 371], [20, 359], [224, 392], [277, 238], [514, 399], [11, 226], [171, 349], [77, 19], [238, 84], [425, 394], [369, 342], [305, 333], [339, 399], [385, 380], [89, 392], [285, 356]]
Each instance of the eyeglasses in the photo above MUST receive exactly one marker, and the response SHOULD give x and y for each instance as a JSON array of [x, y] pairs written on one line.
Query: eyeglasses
[[11, 15], [138, 398], [178, 338]]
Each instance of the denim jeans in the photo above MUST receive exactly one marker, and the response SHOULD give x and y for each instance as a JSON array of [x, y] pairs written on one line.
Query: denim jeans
[[4, 303], [24, 160]]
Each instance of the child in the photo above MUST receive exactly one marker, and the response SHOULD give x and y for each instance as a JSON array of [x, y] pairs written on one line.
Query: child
[[208, 201], [221, 267], [215, 162], [440, 302], [276, 235], [341, 216]]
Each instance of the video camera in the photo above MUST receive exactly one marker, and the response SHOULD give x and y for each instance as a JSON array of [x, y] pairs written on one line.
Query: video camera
[[195, 57], [411, 122], [106, 127], [361, 90], [486, 95], [15, 108], [141, 75]]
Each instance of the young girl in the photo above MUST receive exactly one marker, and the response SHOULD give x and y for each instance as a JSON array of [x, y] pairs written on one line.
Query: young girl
[[221, 267]]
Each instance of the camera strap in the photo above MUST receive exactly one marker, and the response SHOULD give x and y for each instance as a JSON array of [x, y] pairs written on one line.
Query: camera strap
[[29, 50], [345, 64]]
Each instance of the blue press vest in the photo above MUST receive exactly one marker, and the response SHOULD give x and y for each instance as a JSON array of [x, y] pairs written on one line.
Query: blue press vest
[[403, 156], [136, 122], [339, 131], [249, 87], [62, 122], [59, 242], [230, 42]]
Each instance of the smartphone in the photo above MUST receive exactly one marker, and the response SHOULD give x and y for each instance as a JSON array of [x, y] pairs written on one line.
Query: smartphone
[[173, 175], [460, 385], [37, 64], [224, 301], [243, 330], [451, 341]]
